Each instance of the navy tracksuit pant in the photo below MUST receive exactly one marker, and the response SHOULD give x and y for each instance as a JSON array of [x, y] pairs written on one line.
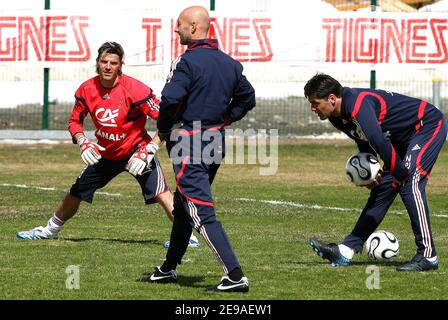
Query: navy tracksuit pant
[[196, 160], [421, 154]]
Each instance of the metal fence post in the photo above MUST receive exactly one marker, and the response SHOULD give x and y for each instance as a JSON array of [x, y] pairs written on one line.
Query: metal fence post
[[373, 72], [436, 82], [46, 85]]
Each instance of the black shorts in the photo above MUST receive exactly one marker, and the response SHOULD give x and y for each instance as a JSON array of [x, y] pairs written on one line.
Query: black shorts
[[92, 178]]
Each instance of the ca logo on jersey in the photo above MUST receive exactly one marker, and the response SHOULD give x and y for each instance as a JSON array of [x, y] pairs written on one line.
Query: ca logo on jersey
[[106, 117]]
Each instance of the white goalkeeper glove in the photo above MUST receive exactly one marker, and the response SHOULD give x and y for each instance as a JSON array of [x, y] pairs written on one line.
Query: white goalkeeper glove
[[141, 159], [90, 151]]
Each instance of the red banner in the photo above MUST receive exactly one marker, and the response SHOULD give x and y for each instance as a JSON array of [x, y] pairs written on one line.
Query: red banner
[[386, 40], [49, 38], [369, 39]]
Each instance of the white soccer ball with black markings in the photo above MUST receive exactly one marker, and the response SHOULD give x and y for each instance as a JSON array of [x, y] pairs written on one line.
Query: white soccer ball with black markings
[[382, 245], [362, 168]]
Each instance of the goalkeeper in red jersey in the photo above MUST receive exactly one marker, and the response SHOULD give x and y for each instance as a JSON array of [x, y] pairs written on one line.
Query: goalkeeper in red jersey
[[119, 106]]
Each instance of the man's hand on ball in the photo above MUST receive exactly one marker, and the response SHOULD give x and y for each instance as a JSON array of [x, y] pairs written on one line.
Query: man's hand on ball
[[376, 182]]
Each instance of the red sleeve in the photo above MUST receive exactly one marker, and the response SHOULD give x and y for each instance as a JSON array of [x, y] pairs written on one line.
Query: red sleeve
[[151, 106], [144, 99], [80, 111]]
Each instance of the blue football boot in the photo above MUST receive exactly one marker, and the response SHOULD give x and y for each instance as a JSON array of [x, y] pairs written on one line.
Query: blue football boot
[[330, 252]]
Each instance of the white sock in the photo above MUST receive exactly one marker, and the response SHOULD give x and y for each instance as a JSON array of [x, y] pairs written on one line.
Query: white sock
[[193, 237], [346, 251], [54, 224], [433, 259]]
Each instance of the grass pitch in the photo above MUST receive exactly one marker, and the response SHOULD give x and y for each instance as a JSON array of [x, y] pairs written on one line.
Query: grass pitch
[[118, 239]]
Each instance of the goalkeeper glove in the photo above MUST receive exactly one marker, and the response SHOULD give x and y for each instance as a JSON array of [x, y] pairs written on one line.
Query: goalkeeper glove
[[141, 159], [90, 151]]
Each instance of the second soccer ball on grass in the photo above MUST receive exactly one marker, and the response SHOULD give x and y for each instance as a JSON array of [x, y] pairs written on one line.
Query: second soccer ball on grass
[[382, 245]]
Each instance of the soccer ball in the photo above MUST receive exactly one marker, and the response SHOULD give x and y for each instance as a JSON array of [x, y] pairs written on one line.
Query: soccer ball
[[362, 168], [382, 245]]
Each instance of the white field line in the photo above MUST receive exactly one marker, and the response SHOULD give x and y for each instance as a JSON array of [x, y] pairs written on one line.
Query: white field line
[[297, 205], [319, 207], [24, 186], [271, 202]]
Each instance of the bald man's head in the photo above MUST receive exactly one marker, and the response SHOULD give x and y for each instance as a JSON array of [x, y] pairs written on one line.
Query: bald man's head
[[193, 24]]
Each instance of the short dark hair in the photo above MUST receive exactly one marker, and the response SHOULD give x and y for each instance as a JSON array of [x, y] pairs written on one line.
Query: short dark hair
[[110, 47], [321, 86]]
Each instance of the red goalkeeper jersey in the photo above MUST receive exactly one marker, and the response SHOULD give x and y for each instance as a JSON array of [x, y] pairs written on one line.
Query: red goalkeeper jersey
[[119, 114]]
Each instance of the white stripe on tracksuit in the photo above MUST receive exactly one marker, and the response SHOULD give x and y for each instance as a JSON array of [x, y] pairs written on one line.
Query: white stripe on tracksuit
[[422, 216], [193, 212], [152, 105], [160, 179], [197, 225]]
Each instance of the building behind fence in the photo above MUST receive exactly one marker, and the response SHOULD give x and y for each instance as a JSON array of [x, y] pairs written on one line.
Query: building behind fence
[[280, 101]]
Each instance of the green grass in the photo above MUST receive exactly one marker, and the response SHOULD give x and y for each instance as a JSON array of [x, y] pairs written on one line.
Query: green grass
[[118, 239]]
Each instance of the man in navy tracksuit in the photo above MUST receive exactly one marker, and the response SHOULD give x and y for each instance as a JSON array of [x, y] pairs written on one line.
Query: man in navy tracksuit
[[205, 91], [408, 134]]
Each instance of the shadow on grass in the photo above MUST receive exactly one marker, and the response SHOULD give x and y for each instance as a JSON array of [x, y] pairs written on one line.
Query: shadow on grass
[[183, 281], [153, 242], [394, 263]]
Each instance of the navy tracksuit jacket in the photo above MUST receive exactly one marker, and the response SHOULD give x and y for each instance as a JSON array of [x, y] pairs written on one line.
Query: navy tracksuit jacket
[[205, 91], [408, 134]]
